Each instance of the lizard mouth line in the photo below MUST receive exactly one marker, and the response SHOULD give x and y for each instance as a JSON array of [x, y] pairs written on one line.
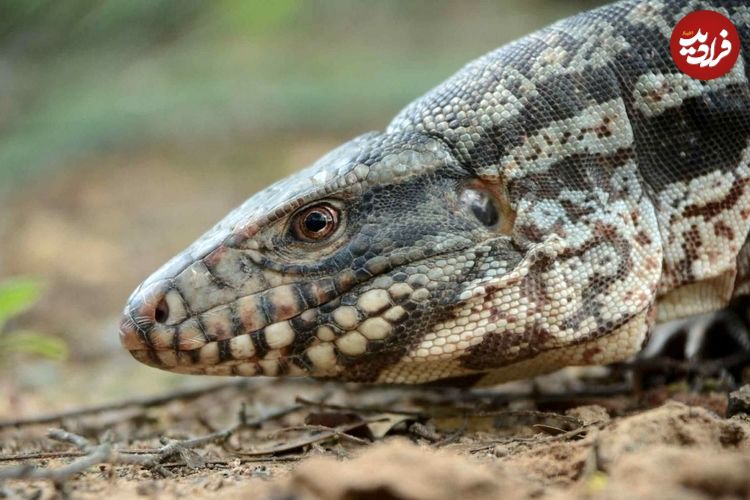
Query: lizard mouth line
[[210, 361], [317, 341], [249, 315]]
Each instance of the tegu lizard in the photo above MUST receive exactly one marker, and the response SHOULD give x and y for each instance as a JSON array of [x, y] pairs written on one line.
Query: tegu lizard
[[543, 207]]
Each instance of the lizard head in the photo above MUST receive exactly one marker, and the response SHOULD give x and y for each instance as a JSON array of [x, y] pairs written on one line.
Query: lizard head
[[345, 270], [389, 260]]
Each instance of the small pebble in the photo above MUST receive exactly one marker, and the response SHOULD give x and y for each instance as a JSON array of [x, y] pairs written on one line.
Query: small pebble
[[739, 401]]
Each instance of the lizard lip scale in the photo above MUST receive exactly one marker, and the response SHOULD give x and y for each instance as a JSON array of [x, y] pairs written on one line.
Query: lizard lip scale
[[253, 334], [541, 208]]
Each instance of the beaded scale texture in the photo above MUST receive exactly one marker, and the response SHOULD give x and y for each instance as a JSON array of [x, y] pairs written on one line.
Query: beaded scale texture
[[543, 207]]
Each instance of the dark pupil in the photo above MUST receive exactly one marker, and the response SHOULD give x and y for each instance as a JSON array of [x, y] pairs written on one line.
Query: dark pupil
[[316, 221]]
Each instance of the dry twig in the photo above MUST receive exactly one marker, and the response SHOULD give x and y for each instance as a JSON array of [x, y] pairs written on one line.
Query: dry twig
[[91, 455], [142, 402]]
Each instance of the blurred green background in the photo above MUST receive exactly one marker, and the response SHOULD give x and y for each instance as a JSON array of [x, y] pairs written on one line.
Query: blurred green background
[[129, 127]]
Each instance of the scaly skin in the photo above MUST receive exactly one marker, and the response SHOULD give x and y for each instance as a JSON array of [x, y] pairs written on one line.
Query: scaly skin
[[541, 208]]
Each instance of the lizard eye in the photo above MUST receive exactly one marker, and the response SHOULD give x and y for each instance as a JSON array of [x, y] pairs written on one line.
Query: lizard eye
[[315, 223], [482, 205]]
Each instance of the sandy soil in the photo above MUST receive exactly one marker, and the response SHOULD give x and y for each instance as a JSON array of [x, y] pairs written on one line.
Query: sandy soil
[[403, 444]]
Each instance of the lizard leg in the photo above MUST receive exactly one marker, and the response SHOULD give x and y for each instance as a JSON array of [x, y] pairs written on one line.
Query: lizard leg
[[706, 336], [711, 344], [712, 335]]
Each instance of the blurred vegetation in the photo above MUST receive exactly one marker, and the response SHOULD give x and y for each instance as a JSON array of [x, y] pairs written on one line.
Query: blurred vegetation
[[16, 296], [84, 76]]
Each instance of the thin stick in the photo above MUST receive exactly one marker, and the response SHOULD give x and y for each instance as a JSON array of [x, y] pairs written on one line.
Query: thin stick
[[143, 402], [99, 454], [360, 409], [42, 455], [105, 453], [328, 433]]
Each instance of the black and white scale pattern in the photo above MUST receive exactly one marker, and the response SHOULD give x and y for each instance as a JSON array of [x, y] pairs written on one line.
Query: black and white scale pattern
[[623, 197]]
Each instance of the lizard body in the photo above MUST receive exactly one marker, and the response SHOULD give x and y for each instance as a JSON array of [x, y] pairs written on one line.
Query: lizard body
[[541, 208]]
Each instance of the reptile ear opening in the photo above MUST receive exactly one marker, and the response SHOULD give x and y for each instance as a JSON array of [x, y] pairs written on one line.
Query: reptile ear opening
[[489, 206], [482, 205]]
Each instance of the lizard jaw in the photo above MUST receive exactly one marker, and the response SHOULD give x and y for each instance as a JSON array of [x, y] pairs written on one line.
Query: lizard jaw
[[297, 329]]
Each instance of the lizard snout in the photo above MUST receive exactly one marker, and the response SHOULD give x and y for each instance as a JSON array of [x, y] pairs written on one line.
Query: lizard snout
[[156, 304]]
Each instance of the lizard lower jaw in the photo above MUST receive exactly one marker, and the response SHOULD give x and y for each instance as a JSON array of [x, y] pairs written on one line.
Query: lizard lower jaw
[[303, 328], [205, 361]]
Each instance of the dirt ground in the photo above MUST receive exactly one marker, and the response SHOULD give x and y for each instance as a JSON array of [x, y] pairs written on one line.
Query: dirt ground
[[92, 234], [403, 444]]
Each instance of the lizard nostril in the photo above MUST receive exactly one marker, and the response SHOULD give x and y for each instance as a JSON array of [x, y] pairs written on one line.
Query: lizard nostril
[[161, 314]]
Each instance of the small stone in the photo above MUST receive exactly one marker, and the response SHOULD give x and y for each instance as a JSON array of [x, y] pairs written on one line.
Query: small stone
[[739, 401]]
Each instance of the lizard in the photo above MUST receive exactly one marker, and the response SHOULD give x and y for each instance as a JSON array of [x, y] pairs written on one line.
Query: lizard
[[544, 207]]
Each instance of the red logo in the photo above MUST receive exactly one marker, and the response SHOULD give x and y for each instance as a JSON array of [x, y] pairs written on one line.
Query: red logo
[[705, 45]]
